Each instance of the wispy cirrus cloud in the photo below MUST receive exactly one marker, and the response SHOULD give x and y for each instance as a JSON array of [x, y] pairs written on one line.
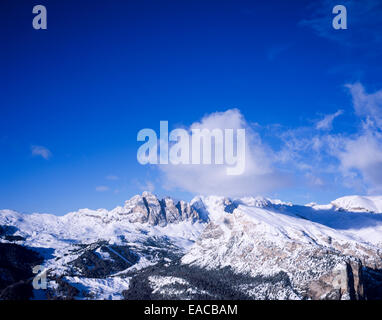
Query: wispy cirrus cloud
[[364, 23], [41, 151], [112, 177], [361, 154], [367, 105], [353, 160], [327, 122], [102, 188]]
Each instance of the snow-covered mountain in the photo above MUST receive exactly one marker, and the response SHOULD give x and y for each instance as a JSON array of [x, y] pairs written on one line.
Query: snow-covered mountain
[[359, 204], [210, 248], [265, 238]]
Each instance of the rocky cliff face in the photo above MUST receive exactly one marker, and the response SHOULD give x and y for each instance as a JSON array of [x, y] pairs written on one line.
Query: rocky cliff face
[[147, 208]]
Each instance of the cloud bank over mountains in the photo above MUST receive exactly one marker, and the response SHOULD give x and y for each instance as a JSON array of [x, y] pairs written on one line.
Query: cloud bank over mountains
[[260, 174], [313, 155], [361, 154]]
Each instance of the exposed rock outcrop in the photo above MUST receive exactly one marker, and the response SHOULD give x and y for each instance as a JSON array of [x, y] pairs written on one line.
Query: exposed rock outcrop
[[148, 208]]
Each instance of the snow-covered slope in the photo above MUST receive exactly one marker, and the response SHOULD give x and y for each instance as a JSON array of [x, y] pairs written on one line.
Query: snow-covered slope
[[359, 204], [279, 223], [266, 238], [280, 250], [139, 217], [149, 228]]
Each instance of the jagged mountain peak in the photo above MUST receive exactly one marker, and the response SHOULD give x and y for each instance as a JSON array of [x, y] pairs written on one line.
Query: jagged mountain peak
[[150, 197], [145, 208], [148, 208]]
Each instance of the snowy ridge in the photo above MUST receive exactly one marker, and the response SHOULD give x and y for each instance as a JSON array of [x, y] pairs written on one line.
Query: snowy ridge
[[359, 204], [289, 224], [296, 252], [58, 237], [86, 225], [270, 238]]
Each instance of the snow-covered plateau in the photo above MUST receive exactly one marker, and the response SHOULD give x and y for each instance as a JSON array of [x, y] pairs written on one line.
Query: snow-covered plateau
[[210, 248]]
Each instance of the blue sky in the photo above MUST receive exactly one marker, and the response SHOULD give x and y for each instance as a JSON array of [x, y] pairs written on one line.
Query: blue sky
[[73, 97]]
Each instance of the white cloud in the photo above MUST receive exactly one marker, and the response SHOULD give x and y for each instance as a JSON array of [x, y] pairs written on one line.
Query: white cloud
[[311, 156], [41, 152], [259, 175], [361, 154], [353, 159], [367, 105], [314, 180], [327, 122], [102, 188]]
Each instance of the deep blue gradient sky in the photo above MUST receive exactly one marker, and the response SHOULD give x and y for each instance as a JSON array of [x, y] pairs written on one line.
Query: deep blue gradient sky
[[106, 69]]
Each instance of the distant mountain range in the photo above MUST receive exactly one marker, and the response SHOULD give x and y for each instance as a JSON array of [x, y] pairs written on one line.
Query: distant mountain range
[[210, 248]]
